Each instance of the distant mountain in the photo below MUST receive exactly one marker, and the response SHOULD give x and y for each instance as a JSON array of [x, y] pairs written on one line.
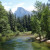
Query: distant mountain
[[20, 12]]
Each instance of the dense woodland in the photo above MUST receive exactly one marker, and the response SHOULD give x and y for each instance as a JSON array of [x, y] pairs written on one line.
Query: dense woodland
[[38, 23]]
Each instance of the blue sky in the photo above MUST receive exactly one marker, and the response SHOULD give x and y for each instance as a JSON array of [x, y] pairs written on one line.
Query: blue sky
[[14, 4]]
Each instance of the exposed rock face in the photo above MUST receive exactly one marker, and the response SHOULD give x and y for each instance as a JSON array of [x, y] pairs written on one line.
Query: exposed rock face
[[20, 12]]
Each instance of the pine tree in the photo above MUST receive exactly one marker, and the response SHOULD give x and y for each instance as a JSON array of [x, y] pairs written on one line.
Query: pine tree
[[12, 20], [4, 26]]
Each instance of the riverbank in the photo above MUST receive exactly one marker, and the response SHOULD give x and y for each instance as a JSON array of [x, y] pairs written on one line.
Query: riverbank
[[43, 45], [24, 42], [40, 46], [7, 37], [4, 38], [21, 34]]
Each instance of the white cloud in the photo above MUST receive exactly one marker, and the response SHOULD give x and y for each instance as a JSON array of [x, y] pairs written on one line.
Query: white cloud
[[6, 5], [16, 6], [31, 8], [10, 3]]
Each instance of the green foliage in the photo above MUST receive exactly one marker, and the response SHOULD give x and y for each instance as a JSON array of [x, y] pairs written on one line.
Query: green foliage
[[38, 5], [3, 20], [35, 23], [24, 23], [40, 22], [45, 21], [7, 24], [12, 21], [41, 46]]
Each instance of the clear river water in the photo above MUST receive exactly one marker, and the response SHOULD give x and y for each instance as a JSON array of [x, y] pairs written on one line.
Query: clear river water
[[19, 43]]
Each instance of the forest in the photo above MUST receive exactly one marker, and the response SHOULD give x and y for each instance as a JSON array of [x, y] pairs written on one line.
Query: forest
[[38, 23]]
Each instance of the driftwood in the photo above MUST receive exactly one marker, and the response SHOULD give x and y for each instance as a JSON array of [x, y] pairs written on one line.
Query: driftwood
[[43, 40]]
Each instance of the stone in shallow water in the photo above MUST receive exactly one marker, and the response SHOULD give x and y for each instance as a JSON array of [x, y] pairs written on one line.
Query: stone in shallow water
[[48, 41]]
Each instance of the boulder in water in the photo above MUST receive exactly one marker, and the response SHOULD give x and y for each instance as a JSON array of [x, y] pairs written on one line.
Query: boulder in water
[[48, 41], [38, 38]]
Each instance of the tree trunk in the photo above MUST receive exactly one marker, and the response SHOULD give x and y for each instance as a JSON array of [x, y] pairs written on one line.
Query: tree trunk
[[40, 38]]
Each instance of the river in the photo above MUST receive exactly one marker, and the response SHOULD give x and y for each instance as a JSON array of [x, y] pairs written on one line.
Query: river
[[18, 43]]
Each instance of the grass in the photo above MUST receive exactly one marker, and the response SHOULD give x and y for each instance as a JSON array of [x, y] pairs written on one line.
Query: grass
[[11, 35], [25, 33], [40, 46], [7, 36]]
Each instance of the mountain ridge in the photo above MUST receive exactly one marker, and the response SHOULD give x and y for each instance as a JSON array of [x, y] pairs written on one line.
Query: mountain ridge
[[20, 12]]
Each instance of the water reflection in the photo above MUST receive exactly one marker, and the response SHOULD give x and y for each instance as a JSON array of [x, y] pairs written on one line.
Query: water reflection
[[22, 43], [17, 44]]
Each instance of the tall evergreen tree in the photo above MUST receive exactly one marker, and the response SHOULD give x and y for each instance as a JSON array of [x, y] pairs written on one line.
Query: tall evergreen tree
[[12, 20], [4, 26]]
